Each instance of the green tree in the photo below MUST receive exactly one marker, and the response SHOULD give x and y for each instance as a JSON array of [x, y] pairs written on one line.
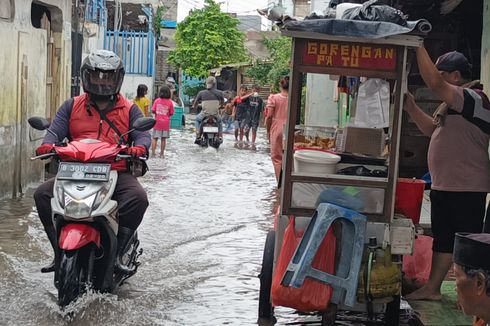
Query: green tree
[[192, 91], [205, 39], [157, 20], [269, 72]]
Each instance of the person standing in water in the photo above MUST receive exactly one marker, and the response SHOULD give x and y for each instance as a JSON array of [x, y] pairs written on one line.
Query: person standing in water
[[277, 113]]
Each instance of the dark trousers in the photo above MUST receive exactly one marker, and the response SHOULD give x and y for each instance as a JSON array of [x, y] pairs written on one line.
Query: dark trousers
[[453, 212], [130, 196]]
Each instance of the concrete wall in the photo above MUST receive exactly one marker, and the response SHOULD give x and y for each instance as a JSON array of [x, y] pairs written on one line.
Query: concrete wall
[[319, 5], [249, 23], [131, 83], [23, 87], [485, 47], [171, 7], [301, 8]]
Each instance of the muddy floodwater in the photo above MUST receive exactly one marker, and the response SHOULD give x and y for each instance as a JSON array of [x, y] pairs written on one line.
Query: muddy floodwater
[[202, 237]]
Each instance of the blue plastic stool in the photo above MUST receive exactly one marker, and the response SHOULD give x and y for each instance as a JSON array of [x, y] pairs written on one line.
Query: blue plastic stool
[[352, 247]]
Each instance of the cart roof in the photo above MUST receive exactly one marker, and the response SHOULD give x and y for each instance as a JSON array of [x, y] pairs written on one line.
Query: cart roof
[[359, 31]]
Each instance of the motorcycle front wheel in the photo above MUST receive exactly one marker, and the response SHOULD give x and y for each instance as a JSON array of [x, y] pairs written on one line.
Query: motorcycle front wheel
[[74, 274]]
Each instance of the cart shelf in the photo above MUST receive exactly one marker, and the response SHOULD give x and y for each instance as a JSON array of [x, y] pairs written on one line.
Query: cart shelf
[[341, 180]]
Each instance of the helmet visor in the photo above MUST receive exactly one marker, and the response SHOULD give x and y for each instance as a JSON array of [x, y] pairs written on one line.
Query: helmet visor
[[101, 82]]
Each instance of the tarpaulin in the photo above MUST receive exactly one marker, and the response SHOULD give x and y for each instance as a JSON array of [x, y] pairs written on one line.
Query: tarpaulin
[[359, 28]]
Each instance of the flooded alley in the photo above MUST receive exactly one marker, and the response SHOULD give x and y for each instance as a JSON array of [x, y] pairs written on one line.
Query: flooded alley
[[202, 237]]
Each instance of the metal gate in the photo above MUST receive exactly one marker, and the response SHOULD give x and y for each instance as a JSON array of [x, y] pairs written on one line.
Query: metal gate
[[136, 49]]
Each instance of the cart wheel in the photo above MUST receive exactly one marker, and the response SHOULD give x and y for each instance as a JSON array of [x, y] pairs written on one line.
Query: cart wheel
[[329, 316], [392, 314], [265, 306]]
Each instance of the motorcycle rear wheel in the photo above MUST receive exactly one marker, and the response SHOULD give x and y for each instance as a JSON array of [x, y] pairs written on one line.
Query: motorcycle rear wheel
[[73, 275]]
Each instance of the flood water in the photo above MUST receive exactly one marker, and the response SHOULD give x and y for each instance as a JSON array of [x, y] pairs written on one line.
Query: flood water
[[202, 237]]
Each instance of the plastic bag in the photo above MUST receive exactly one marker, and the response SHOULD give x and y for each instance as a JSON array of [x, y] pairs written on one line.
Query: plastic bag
[[373, 104], [372, 12], [313, 295], [416, 268]]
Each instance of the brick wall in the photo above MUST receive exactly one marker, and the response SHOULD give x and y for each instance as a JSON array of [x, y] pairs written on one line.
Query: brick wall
[[166, 44], [162, 67]]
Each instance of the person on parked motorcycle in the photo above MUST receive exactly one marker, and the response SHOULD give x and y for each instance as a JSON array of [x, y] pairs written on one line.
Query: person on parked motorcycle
[[211, 100], [100, 113]]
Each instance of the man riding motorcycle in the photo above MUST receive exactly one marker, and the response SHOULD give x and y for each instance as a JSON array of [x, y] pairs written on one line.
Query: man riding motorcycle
[[211, 100], [101, 113]]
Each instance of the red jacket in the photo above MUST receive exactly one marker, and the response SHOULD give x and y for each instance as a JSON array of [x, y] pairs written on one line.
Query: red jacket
[[85, 122]]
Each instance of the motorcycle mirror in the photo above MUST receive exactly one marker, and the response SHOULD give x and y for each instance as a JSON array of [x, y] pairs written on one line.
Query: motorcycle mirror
[[141, 124], [144, 123], [38, 123]]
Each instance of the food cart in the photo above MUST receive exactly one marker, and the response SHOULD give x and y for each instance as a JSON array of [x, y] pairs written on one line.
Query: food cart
[[365, 178]]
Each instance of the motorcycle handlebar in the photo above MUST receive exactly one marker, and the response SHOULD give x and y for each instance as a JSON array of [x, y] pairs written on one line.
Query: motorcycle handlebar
[[43, 156], [124, 156], [120, 156]]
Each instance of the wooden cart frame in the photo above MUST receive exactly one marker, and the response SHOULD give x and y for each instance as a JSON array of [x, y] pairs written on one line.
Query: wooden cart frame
[[396, 70]]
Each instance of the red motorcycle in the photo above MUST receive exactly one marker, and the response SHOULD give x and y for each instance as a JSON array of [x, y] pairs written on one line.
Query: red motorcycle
[[84, 215]]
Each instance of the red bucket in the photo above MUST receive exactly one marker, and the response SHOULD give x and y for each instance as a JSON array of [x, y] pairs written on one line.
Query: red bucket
[[408, 198]]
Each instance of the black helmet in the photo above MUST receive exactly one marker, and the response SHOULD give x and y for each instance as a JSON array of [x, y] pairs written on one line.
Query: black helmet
[[102, 73]]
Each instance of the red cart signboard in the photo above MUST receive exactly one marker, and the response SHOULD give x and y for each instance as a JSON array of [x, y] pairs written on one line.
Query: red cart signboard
[[349, 55]]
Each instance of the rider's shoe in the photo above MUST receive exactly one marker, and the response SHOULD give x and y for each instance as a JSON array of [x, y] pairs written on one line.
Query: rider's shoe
[[123, 237]]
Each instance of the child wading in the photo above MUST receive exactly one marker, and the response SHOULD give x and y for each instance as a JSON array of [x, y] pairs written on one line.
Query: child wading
[[163, 109]]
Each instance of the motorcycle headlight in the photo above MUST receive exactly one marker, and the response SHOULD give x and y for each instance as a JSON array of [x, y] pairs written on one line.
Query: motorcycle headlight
[[61, 195], [101, 195], [79, 208]]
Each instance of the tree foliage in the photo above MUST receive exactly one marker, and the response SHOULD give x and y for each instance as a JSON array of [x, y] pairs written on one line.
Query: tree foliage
[[270, 72], [192, 90], [205, 39], [158, 19]]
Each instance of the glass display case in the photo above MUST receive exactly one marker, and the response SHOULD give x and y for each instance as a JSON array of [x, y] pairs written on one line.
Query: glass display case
[[345, 104]]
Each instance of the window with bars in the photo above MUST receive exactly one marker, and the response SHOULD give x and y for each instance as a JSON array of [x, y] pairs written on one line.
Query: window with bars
[[96, 12]]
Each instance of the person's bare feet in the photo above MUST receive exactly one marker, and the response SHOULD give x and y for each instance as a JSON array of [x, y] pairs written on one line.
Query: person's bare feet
[[424, 293]]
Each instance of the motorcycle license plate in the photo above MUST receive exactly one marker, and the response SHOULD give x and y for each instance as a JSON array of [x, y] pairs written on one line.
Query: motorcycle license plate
[[210, 129], [81, 171]]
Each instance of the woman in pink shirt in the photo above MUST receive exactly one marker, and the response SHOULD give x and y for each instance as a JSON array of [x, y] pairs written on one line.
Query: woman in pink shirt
[[277, 114], [163, 109]]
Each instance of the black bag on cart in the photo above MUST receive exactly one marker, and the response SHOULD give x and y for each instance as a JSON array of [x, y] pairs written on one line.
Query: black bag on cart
[[381, 13]]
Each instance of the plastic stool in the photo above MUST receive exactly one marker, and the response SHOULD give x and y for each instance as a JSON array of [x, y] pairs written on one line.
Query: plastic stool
[[352, 247]]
